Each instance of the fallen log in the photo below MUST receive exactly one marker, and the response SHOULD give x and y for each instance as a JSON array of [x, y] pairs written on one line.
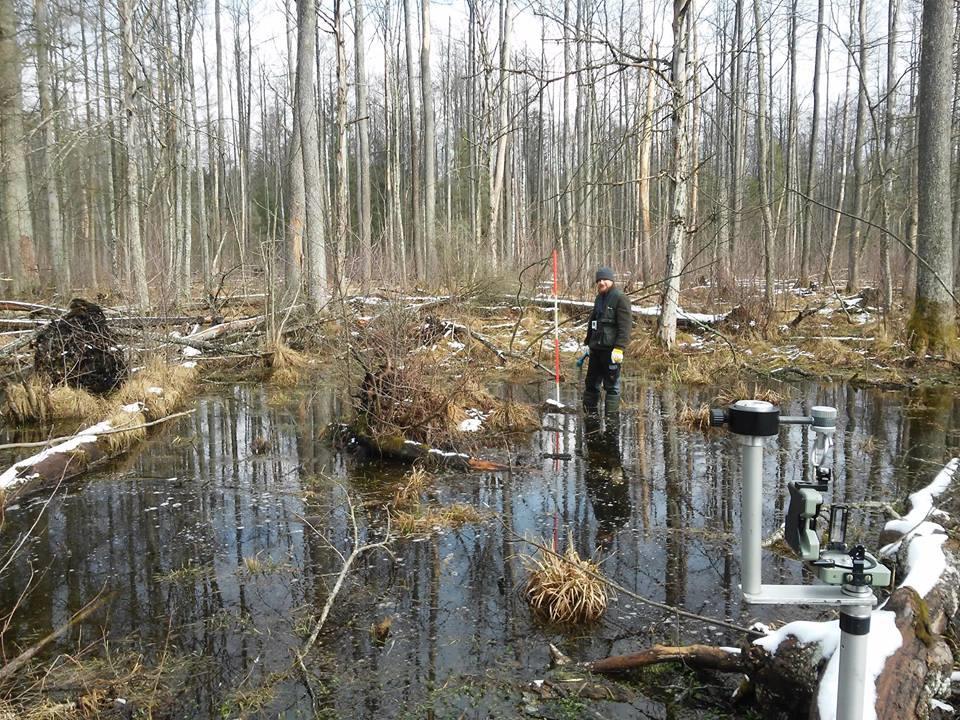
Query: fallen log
[[684, 318], [147, 404], [410, 451]]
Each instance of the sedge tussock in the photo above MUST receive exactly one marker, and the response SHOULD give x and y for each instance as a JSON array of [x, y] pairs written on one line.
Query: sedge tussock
[[286, 364], [565, 589], [36, 401], [740, 391], [131, 431], [697, 418], [415, 482], [420, 520], [159, 386], [833, 353], [513, 417]]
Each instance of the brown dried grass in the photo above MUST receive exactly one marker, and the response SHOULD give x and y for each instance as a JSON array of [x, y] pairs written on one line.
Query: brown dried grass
[[425, 520], [694, 418], [565, 589], [414, 483], [833, 353], [161, 388], [513, 417], [740, 391], [130, 431], [36, 401], [286, 363]]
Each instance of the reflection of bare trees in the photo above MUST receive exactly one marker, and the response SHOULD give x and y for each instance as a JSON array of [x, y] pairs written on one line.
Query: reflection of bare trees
[[675, 567]]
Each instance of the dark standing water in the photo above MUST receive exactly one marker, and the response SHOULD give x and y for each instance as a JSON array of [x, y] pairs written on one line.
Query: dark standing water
[[213, 565]]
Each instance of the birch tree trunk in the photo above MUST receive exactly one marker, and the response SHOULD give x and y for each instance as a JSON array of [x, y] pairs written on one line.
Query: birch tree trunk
[[416, 234], [932, 322], [342, 199], [499, 168], [296, 209], [680, 178]]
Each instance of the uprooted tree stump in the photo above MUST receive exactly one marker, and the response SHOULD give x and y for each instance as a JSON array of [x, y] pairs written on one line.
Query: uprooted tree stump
[[910, 658], [80, 350]]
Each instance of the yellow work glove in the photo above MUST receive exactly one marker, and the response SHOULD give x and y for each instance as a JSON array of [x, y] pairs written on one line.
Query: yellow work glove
[[616, 356]]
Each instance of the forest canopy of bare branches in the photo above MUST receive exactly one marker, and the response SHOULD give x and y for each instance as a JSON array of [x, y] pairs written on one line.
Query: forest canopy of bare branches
[[151, 147]]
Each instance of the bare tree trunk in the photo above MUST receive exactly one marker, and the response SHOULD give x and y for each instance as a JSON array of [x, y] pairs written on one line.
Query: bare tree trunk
[[296, 210], [859, 154], [108, 167], [887, 171], [18, 222], [131, 199], [306, 109], [363, 132], [806, 222], [932, 322], [58, 256], [844, 166], [737, 94], [764, 159], [499, 168], [680, 177], [416, 234], [341, 217], [429, 143], [644, 149]]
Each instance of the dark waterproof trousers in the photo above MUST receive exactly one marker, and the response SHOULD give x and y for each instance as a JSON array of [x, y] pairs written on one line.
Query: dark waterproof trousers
[[601, 372]]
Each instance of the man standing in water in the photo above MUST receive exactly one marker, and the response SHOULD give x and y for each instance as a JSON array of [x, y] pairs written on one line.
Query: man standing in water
[[608, 332]]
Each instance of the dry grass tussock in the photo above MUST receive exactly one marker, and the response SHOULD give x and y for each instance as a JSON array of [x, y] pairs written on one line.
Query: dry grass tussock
[[36, 401], [741, 391], [423, 520], [515, 417], [286, 364], [160, 386], [697, 418], [565, 589], [414, 483]]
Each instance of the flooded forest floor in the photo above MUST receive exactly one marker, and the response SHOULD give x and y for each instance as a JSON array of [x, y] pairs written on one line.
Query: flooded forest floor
[[211, 566]]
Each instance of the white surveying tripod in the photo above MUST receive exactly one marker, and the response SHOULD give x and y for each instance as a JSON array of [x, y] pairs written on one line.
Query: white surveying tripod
[[849, 575]]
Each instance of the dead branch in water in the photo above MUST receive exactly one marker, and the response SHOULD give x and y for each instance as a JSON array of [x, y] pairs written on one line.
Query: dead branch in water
[[27, 655]]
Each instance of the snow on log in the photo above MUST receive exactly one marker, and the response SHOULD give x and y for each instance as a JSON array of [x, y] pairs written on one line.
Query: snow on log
[[148, 397], [410, 451], [684, 318], [74, 456], [909, 662]]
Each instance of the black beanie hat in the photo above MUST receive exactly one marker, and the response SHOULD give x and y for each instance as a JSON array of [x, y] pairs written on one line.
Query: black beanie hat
[[604, 273]]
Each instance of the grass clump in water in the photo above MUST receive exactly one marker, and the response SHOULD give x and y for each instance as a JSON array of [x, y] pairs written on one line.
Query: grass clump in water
[[565, 589]]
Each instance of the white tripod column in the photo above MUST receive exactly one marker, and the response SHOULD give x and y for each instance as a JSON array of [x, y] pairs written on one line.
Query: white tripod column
[[751, 512], [854, 636]]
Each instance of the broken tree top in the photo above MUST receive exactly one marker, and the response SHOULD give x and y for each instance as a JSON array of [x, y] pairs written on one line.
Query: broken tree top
[[80, 350]]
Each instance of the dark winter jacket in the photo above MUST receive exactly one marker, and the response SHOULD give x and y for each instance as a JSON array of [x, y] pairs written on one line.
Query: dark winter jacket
[[610, 322]]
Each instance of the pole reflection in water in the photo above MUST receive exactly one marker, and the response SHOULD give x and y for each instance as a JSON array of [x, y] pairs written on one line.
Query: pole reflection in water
[[211, 552]]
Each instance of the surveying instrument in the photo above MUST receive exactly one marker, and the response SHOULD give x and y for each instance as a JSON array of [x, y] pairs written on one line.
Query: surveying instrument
[[848, 575]]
